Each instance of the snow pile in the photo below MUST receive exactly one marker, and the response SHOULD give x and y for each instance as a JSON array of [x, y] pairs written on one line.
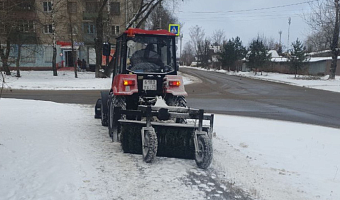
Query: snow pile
[[58, 151], [303, 81]]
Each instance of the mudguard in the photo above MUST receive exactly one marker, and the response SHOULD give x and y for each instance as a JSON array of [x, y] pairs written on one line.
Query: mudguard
[[177, 90], [118, 87]]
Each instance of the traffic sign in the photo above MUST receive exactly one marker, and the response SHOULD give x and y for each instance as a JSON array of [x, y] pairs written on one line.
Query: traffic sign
[[174, 28]]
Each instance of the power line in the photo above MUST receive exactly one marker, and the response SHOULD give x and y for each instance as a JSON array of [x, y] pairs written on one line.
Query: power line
[[255, 9]]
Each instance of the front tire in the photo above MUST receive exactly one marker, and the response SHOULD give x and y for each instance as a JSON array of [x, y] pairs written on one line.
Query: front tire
[[204, 154], [150, 146], [113, 124]]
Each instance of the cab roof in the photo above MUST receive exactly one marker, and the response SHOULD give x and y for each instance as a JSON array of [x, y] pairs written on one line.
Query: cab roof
[[135, 31]]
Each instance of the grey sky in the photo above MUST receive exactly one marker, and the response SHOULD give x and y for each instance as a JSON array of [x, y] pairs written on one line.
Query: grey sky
[[246, 18]]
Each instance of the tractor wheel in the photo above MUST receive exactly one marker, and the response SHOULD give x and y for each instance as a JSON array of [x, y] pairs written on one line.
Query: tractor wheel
[[204, 154], [149, 146], [113, 126], [104, 108], [178, 101]]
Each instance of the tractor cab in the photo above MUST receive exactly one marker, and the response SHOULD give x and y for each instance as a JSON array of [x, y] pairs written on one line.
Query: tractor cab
[[145, 52], [146, 61]]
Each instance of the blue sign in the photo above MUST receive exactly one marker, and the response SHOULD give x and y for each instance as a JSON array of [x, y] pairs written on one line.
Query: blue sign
[[174, 28]]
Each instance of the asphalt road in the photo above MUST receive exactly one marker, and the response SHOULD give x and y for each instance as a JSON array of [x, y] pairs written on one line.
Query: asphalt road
[[223, 94], [220, 93]]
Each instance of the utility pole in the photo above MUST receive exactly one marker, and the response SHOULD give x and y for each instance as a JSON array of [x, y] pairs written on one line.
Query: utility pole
[[280, 32], [280, 44], [180, 48], [289, 22]]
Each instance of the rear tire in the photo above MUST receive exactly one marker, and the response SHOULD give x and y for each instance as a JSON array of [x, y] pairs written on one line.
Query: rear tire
[[113, 125], [204, 155], [178, 101], [103, 115], [150, 146], [104, 108]]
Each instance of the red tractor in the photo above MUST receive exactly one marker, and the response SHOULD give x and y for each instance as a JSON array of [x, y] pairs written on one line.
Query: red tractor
[[145, 109]]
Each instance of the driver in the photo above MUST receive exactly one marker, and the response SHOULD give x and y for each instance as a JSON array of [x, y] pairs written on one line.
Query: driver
[[146, 55]]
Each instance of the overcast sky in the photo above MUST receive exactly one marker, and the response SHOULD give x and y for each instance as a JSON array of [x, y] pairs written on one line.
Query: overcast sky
[[246, 18]]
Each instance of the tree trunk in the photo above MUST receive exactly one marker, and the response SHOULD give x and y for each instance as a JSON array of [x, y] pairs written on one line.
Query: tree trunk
[[6, 67], [99, 43], [74, 62], [4, 57], [334, 46], [54, 62], [17, 62], [109, 67]]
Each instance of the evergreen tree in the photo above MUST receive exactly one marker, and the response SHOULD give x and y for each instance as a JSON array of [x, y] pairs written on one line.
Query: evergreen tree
[[232, 51], [297, 56], [258, 55]]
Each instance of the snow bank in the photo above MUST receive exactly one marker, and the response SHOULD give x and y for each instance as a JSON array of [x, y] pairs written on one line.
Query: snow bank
[[322, 84]]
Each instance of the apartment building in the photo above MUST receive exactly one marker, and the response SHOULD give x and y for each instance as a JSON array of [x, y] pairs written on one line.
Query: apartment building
[[64, 23]]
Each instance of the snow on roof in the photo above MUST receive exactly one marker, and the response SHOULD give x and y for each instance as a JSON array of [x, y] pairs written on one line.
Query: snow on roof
[[279, 59], [312, 59], [274, 53], [318, 52]]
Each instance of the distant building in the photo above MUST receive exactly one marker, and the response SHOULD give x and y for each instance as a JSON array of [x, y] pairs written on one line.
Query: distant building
[[314, 66], [71, 19]]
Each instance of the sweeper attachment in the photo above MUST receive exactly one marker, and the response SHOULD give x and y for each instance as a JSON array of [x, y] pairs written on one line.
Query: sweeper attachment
[[145, 108]]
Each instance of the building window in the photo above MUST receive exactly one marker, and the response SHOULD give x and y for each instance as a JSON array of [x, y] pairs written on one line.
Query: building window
[[26, 26], [91, 7], [2, 5], [115, 8], [48, 29], [72, 7], [89, 28], [27, 55], [48, 54], [115, 30], [47, 6], [25, 6]]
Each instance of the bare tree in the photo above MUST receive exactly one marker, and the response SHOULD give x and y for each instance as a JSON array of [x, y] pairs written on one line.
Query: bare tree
[[161, 17], [324, 21], [197, 35], [335, 42], [145, 9], [218, 37], [72, 31], [321, 21], [188, 55], [204, 53], [7, 20]]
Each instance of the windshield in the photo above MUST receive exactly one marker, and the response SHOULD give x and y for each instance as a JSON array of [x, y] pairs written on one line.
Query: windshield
[[147, 54]]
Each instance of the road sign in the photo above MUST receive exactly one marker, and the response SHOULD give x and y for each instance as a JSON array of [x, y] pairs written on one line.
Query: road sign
[[174, 28]]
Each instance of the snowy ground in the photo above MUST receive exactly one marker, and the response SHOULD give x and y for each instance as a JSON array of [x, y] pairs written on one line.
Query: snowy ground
[[48, 154], [303, 81]]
